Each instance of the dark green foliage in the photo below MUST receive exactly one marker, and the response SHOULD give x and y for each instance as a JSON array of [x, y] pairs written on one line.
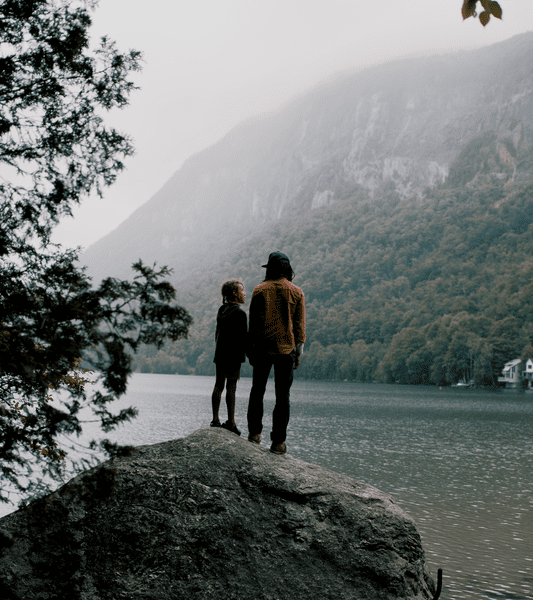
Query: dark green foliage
[[471, 160], [54, 150], [427, 290], [51, 94]]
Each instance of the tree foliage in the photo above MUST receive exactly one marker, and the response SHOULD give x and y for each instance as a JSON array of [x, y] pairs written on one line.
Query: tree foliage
[[54, 150], [421, 290], [490, 7]]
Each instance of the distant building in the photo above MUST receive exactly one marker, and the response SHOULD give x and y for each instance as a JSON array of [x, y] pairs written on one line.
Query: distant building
[[528, 373], [511, 374]]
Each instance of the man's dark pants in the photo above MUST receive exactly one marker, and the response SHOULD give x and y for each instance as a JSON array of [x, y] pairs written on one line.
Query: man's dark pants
[[283, 375]]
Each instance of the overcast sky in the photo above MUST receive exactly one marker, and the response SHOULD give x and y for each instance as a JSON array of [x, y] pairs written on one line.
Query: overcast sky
[[210, 64]]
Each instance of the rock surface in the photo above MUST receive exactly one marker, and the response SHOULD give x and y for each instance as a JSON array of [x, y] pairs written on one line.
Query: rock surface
[[211, 516]]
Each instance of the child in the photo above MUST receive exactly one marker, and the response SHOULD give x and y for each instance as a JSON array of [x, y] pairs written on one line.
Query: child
[[230, 350]]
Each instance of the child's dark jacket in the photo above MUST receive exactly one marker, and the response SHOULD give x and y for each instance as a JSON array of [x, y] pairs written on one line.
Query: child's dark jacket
[[230, 335]]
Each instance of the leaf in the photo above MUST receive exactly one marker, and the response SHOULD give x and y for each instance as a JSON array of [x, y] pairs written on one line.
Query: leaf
[[495, 9], [484, 17], [469, 8]]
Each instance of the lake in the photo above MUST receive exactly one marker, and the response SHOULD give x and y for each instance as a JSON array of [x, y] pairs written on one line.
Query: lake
[[458, 460]]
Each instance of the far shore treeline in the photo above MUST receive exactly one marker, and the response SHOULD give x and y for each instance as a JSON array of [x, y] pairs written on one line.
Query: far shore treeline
[[431, 289]]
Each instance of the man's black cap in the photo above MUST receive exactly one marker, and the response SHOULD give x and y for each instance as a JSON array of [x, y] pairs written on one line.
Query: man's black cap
[[279, 261], [277, 258]]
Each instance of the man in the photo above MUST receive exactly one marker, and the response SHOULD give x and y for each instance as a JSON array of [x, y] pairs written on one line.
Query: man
[[276, 337]]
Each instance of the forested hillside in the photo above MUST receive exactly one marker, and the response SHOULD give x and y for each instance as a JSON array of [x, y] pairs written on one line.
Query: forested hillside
[[398, 125], [429, 289], [403, 196]]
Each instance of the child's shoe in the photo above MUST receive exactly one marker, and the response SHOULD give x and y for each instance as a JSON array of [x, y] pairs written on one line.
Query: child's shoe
[[215, 423], [255, 438], [233, 428]]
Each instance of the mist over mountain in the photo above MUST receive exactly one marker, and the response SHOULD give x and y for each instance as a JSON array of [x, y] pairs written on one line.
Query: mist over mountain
[[400, 124], [403, 196]]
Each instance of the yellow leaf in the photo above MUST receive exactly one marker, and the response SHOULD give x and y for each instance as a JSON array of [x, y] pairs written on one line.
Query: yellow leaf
[[469, 8], [484, 17], [495, 9]]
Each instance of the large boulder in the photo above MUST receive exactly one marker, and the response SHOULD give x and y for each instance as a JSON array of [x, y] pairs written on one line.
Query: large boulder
[[211, 516]]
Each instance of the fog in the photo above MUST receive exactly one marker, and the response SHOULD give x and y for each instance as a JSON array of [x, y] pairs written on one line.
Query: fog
[[210, 65]]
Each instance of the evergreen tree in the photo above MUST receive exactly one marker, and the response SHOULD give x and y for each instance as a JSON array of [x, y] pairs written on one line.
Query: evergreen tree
[[54, 150]]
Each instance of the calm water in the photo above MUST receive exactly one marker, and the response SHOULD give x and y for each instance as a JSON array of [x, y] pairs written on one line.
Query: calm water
[[460, 461]]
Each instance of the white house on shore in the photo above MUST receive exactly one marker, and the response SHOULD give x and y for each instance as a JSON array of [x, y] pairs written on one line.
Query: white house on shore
[[512, 375], [528, 373]]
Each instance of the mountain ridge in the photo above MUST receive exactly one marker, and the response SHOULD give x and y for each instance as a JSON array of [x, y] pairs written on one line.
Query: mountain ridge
[[428, 292], [403, 196], [400, 123]]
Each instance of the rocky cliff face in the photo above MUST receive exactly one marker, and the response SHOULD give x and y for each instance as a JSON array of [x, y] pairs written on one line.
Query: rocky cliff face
[[212, 516], [401, 124]]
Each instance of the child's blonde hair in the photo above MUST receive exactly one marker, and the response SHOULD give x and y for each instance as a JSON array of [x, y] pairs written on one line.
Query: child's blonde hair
[[230, 290]]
